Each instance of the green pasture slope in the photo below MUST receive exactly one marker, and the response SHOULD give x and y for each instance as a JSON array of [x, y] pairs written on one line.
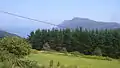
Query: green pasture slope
[[44, 59]]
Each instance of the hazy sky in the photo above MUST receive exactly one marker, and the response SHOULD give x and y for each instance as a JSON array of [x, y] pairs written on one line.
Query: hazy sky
[[55, 11]]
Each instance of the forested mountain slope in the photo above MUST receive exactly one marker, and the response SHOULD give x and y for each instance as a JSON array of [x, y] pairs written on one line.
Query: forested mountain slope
[[4, 33]]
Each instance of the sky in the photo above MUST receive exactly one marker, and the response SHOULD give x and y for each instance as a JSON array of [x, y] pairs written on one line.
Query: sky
[[55, 11]]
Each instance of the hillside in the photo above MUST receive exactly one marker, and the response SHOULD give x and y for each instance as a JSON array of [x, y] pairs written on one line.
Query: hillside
[[4, 33], [82, 62], [89, 24]]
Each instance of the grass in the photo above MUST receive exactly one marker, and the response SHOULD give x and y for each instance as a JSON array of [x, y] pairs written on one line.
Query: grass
[[82, 62]]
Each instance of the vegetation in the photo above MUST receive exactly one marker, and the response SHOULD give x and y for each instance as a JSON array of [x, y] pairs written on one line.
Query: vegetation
[[84, 48], [12, 53], [15, 45], [55, 58], [93, 42], [97, 52]]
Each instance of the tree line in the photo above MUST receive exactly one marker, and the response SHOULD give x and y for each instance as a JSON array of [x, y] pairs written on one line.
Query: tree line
[[89, 42]]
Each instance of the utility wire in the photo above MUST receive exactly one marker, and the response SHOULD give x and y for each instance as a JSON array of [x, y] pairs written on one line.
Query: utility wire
[[29, 18], [5, 12]]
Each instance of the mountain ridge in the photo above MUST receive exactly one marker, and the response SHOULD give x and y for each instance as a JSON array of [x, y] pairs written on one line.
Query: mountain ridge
[[4, 34], [88, 24]]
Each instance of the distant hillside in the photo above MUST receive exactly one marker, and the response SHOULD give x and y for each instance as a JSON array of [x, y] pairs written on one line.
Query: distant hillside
[[4, 33], [89, 24]]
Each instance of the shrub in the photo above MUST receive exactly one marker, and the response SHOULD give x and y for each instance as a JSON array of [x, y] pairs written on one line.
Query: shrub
[[35, 51], [97, 57], [76, 53], [97, 51], [46, 47], [12, 52], [18, 63], [63, 50], [15, 45], [108, 58], [58, 64], [51, 63], [5, 55]]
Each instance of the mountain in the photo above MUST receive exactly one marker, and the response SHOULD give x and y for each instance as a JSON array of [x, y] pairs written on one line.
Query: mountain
[[4, 33], [88, 24]]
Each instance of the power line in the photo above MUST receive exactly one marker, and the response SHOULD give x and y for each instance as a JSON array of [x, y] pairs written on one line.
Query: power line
[[29, 18]]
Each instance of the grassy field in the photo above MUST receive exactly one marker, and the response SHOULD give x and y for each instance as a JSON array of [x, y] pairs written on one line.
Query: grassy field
[[44, 58]]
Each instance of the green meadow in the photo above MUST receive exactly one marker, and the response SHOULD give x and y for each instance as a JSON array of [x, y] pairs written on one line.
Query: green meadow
[[82, 62]]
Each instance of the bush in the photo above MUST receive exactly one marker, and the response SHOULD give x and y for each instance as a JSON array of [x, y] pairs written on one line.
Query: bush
[[12, 52], [58, 64], [97, 51], [15, 45], [35, 51], [17, 63], [5, 55], [51, 63], [108, 58], [46, 47], [97, 57], [76, 53], [63, 50]]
